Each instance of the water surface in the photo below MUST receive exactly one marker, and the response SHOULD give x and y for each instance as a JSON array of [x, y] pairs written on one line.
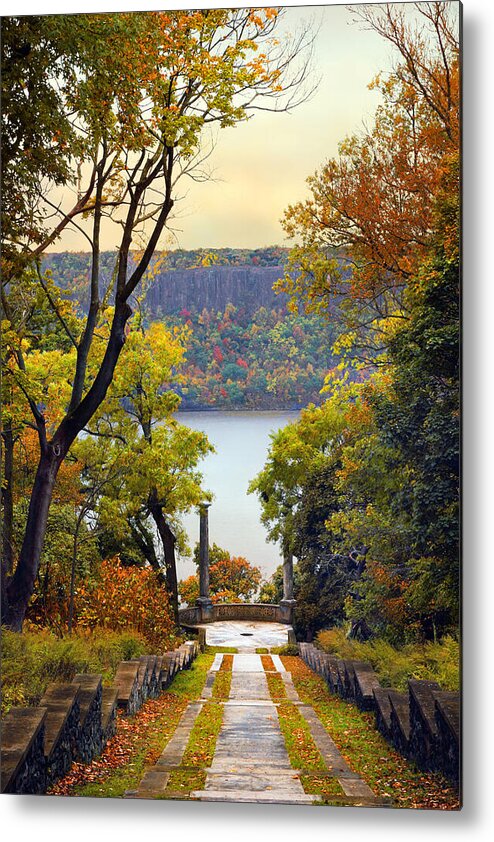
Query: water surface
[[241, 441]]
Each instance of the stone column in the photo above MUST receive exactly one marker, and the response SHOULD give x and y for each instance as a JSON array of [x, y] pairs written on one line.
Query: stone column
[[288, 603], [204, 602]]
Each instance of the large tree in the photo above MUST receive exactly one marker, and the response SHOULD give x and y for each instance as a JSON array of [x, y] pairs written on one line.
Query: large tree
[[366, 226], [134, 117], [158, 478]]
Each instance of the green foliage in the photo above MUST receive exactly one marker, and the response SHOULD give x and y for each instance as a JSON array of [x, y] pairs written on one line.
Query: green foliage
[[287, 649], [31, 660], [49, 605], [395, 665]]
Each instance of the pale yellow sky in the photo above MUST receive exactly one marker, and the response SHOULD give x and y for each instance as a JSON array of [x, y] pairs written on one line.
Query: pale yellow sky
[[261, 166]]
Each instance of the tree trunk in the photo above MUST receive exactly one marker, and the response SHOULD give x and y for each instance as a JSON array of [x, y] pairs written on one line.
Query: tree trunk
[[144, 540], [7, 500], [19, 588], [168, 542]]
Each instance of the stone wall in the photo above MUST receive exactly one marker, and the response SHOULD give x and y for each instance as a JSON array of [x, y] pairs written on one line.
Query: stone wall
[[423, 724], [254, 611], [75, 721]]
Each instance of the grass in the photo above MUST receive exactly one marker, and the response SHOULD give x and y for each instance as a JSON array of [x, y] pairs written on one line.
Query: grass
[[304, 755], [302, 750], [286, 649], [326, 786], [395, 665], [226, 663], [199, 752], [366, 751], [267, 663], [185, 781], [33, 659], [202, 741], [139, 741], [222, 684], [276, 686], [261, 650], [218, 650]]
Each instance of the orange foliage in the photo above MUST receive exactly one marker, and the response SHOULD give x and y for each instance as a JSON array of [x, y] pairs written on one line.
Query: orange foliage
[[375, 202], [128, 598], [26, 459], [390, 593]]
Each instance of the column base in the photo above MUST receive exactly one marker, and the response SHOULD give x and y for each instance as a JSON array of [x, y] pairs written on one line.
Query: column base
[[287, 608], [206, 607]]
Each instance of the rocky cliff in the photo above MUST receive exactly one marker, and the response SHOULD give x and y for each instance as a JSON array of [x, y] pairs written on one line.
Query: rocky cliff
[[240, 281], [213, 287]]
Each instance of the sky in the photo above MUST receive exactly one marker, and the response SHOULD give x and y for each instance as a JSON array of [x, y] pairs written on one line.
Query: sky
[[261, 165]]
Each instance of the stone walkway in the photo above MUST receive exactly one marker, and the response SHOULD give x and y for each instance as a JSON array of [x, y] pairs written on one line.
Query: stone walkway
[[251, 763]]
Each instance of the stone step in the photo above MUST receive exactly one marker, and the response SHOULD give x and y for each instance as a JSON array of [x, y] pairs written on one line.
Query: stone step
[[254, 797], [109, 705], [366, 681], [127, 684], [383, 711], [23, 767], [448, 721], [89, 696], [423, 726], [62, 726], [400, 720]]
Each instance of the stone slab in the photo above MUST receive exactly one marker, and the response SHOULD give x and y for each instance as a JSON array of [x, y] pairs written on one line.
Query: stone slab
[[255, 797], [174, 750]]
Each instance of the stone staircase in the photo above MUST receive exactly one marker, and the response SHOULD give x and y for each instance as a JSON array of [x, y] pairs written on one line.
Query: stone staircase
[[423, 724], [73, 722]]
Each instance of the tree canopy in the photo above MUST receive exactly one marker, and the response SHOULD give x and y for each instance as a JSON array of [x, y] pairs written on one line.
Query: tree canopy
[[131, 123]]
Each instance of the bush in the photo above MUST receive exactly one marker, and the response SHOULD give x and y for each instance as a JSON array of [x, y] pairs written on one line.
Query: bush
[[126, 598], [427, 661], [287, 649], [31, 660]]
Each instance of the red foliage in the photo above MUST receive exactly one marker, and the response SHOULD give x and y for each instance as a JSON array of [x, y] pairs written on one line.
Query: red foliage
[[128, 597], [218, 354]]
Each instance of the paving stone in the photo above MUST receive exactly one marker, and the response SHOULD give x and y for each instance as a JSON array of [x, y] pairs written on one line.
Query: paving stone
[[173, 751], [255, 797], [278, 663], [246, 634], [247, 663]]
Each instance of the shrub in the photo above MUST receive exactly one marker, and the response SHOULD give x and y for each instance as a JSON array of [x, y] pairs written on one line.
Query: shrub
[[287, 649], [31, 660], [395, 665], [128, 598]]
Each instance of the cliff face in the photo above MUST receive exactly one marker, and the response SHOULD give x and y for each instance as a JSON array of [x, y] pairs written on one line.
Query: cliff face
[[214, 287], [240, 282]]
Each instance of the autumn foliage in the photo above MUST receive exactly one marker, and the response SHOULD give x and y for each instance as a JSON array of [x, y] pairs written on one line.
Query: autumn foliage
[[231, 579], [128, 598]]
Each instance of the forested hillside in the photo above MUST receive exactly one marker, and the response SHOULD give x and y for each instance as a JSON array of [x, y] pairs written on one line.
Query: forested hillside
[[244, 349]]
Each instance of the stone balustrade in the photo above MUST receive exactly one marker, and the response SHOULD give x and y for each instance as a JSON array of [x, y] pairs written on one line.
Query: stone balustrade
[[250, 611], [75, 721], [423, 724]]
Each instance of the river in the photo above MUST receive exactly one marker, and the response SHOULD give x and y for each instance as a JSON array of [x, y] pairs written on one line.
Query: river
[[241, 441]]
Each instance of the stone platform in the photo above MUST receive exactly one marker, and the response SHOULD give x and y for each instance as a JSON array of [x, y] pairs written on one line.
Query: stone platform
[[245, 635]]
